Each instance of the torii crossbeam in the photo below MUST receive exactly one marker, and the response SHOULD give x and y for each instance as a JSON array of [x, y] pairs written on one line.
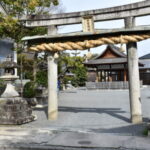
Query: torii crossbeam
[[90, 37]]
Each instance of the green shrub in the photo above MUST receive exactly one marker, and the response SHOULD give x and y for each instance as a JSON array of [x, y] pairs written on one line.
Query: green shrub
[[66, 80], [29, 90], [28, 75], [80, 76], [2, 86], [41, 78]]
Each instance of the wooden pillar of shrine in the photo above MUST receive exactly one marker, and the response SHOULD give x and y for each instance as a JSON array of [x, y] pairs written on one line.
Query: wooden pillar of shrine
[[101, 76], [104, 75], [134, 82], [97, 75], [125, 73]]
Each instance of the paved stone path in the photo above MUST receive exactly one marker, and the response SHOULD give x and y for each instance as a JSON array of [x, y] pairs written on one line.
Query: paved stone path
[[46, 139], [104, 111], [98, 120]]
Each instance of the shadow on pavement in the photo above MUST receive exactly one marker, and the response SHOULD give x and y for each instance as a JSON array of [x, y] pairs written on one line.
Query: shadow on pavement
[[133, 129], [45, 109], [126, 129], [114, 112]]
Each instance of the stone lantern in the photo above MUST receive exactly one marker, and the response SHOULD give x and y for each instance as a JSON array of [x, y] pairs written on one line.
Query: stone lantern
[[9, 76], [8, 65], [13, 109]]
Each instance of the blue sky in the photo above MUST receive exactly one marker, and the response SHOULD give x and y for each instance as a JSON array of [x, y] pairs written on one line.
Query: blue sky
[[82, 5]]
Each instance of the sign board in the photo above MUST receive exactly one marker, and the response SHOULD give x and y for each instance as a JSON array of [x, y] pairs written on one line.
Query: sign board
[[88, 24]]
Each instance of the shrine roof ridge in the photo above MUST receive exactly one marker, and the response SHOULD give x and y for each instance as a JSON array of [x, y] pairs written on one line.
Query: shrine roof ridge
[[115, 49]]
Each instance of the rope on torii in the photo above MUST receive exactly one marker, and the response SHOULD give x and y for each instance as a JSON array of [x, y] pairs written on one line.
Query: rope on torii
[[86, 44]]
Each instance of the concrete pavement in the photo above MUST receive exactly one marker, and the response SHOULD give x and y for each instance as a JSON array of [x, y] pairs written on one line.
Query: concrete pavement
[[44, 139], [103, 111], [97, 120]]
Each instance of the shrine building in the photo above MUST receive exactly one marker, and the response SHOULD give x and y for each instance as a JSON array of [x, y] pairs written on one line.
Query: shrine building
[[110, 69]]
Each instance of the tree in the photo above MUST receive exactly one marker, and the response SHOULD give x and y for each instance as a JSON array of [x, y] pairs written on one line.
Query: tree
[[19, 7], [74, 65], [11, 27], [27, 66]]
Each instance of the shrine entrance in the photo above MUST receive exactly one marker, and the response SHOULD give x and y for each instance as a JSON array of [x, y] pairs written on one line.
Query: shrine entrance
[[53, 43]]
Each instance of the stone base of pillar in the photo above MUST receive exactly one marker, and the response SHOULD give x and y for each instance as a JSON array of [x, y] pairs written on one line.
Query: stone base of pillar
[[15, 111], [53, 115], [136, 119]]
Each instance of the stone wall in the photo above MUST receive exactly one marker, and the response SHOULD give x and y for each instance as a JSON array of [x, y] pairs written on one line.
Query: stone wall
[[108, 85]]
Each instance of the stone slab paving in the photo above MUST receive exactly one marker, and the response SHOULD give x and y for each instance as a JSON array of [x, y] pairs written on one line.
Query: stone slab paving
[[103, 111], [46, 139], [97, 120]]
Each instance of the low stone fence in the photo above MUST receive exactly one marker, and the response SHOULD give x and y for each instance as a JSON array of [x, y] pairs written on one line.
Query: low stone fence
[[109, 85]]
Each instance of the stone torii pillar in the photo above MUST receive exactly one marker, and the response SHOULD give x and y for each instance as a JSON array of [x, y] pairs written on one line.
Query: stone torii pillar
[[52, 80], [134, 81]]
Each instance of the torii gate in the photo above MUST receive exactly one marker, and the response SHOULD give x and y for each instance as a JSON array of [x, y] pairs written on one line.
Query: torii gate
[[89, 38]]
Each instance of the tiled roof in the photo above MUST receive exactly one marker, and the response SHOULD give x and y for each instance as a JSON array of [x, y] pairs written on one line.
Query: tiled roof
[[146, 63], [147, 56], [114, 49], [106, 61]]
